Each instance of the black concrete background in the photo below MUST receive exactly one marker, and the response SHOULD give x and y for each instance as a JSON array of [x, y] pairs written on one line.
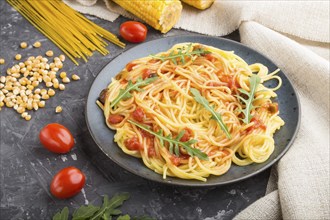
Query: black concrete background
[[26, 168]]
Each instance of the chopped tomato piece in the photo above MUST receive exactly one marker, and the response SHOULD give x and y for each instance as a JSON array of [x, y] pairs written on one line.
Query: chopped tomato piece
[[130, 66], [138, 114], [210, 57], [148, 73], [115, 119], [187, 135], [231, 82], [133, 144], [151, 152], [123, 81], [175, 160]]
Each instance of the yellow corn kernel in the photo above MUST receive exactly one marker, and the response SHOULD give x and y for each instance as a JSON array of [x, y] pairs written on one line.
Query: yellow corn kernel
[[2, 61], [161, 14]]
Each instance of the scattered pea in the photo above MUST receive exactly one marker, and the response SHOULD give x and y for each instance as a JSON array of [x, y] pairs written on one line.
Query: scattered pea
[[23, 45], [37, 44], [18, 56]]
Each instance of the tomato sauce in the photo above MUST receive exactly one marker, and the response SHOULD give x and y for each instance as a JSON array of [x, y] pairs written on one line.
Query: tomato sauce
[[151, 152], [187, 135], [175, 160], [257, 124], [213, 84], [231, 82], [209, 57], [138, 114]]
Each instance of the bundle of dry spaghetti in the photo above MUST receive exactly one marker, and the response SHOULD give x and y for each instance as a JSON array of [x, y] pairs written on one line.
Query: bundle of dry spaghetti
[[74, 34]]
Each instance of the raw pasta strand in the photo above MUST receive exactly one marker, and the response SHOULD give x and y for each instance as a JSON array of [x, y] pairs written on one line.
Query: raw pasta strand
[[74, 34]]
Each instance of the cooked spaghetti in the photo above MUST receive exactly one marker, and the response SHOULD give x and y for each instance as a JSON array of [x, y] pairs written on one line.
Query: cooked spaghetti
[[192, 111], [74, 34]]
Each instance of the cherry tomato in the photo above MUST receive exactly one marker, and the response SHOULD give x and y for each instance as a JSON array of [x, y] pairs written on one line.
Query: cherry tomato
[[133, 31], [56, 138], [67, 183]]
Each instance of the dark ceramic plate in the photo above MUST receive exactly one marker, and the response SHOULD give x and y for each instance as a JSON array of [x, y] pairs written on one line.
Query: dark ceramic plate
[[103, 136]]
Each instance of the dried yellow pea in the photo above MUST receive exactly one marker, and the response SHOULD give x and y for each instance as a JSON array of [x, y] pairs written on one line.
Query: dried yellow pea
[[23, 45], [37, 44]]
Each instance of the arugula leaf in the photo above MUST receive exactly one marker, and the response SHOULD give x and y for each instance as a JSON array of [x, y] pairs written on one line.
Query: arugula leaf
[[175, 142], [85, 212], [116, 201], [62, 215], [181, 54], [254, 82], [215, 115], [125, 93], [108, 210]]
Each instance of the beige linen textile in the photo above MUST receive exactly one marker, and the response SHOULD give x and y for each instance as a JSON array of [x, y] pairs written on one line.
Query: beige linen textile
[[286, 32]]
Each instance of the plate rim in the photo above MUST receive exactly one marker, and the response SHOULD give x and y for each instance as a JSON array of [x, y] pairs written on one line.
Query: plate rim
[[200, 183]]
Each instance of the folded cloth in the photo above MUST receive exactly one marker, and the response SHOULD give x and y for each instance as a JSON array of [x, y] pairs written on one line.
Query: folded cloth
[[295, 35], [303, 173]]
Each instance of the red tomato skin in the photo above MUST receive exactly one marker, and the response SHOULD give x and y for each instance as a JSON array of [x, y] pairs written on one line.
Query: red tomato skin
[[56, 138], [67, 183], [133, 31]]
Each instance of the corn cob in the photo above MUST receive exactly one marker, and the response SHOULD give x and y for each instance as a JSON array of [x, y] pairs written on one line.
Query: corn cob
[[200, 4], [160, 14]]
